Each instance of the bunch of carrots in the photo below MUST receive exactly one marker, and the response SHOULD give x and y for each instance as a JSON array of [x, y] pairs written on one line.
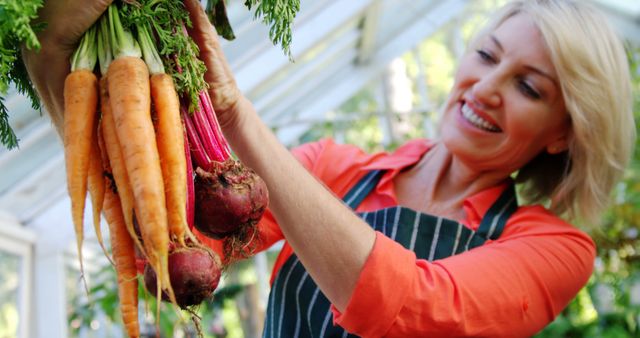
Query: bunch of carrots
[[129, 140]]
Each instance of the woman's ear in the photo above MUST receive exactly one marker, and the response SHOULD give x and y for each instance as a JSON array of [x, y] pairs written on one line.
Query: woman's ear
[[558, 146], [561, 142]]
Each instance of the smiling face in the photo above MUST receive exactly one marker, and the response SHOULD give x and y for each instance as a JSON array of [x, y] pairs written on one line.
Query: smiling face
[[506, 105]]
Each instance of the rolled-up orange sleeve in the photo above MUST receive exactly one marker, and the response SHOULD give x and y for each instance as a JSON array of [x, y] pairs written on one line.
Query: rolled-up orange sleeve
[[381, 291], [511, 287]]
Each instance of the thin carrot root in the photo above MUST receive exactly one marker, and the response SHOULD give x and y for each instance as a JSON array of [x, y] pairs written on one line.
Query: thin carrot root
[[80, 101], [122, 244], [96, 185], [125, 263]]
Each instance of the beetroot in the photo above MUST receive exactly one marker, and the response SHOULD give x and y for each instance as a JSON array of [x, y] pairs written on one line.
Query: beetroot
[[194, 273], [229, 198]]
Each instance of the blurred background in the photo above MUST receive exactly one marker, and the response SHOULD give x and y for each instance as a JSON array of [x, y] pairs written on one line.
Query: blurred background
[[369, 72]]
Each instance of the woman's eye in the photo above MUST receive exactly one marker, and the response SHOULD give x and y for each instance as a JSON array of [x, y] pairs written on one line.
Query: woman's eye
[[528, 90], [485, 56]]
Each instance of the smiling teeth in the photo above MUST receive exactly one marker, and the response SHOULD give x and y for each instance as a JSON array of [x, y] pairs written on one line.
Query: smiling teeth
[[477, 120]]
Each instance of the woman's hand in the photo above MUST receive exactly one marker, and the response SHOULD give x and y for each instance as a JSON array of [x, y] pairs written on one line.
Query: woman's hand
[[223, 89], [65, 21]]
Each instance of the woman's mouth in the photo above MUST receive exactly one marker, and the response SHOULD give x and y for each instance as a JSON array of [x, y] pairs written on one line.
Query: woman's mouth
[[477, 121]]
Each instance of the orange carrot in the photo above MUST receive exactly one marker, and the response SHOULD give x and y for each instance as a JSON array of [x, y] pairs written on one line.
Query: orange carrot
[[116, 161], [131, 107], [80, 106], [129, 96], [96, 187], [122, 245], [125, 262], [170, 139]]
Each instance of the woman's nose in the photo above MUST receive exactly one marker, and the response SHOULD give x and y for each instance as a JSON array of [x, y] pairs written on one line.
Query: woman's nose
[[487, 89]]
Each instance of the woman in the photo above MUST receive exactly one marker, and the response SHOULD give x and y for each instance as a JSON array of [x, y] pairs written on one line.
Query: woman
[[439, 246]]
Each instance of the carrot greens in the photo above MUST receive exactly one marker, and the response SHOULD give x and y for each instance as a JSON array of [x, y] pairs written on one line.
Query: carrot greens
[[16, 29], [277, 14], [166, 19]]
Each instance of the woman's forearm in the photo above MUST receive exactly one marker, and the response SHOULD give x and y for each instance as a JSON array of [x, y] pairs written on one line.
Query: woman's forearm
[[331, 241]]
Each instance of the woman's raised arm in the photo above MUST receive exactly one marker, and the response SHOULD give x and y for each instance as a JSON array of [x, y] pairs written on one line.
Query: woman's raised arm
[[332, 242]]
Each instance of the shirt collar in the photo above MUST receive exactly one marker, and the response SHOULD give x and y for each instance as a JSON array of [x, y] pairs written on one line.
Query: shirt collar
[[475, 206], [404, 156]]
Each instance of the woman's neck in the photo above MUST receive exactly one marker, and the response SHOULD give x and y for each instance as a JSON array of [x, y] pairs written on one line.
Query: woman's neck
[[439, 183]]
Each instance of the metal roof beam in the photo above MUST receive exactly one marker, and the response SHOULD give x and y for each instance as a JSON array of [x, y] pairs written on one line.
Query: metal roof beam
[[369, 32], [307, 34], [308, 77], [351, 80]]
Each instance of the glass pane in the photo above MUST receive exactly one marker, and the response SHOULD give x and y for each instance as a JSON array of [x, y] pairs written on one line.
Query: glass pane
[[9, 281]]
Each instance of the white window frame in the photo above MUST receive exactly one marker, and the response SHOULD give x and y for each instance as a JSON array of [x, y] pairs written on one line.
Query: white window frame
[[15, 239]]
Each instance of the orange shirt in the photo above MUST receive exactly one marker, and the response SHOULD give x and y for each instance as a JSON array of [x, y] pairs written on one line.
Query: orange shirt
[[510, 287]]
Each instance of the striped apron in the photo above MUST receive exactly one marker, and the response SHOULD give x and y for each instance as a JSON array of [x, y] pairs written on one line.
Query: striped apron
[[297, 308]]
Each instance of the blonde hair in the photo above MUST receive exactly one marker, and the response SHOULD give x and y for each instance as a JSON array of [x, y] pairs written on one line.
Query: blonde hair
[[594, 78]]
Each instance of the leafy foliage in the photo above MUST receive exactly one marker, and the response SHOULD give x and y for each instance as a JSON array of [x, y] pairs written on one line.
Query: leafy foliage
[[15, 30], [279, 14], [167, 19]]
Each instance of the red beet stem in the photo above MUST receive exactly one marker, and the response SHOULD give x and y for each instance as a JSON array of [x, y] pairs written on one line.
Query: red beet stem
[[197, 149], [210, 114], [191, 196], [206, 134], [213, 143]]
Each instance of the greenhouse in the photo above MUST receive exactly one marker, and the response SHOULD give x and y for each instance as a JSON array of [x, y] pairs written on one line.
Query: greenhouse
[[373, 73]]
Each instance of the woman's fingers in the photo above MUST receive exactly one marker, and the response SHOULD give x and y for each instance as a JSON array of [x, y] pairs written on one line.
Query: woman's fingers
[[222, 85], [65, 22]]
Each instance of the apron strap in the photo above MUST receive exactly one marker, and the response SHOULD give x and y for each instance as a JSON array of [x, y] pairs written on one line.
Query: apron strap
[[360, 190], [496, 217]]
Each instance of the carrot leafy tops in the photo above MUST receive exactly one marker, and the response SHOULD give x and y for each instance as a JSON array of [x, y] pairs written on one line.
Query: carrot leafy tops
[[15, 30]]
